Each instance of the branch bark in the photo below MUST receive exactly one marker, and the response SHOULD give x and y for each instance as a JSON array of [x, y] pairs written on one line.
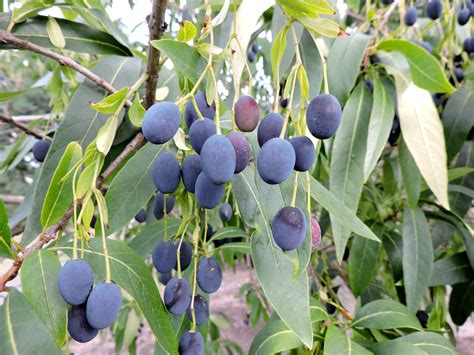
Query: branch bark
[[156, 26], [7, 37], [156, 31], [25, 128]]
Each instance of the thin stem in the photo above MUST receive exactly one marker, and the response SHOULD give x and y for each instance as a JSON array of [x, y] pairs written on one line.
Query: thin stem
[[196, 260], [308, 194], [108, 278], [295, 190], [25, 128], [295, 43], [178, 253], [74, 196], [288, 110], [165, 224], [324, 65]]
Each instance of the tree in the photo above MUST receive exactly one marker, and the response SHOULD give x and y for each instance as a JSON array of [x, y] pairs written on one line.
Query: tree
[[324, 147]]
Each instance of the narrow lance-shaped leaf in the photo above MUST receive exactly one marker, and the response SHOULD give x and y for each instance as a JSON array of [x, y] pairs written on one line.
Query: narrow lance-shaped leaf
[[337, 343], [5, 234], [410, 173], [423, 134], [59, 195], [347, 161], [427, 73], [275, 337], [381, 119], [39, 274], [278, 49], [417, 256]]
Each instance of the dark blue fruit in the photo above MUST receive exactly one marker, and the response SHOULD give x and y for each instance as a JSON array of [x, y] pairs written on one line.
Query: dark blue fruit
[[140, 217], [276, 161], [103, 305], [225, 212], [166, 173], [374, 59], [185, 255], [93, 221], [459, 74], [75, 281], [283, 102], [218, 159], [269, 128], [411, 16], [165, 277], [191, 344], [427, 47], [40, 149], [246, 113], [255, 48], [394, 132], [199, 132], [206, 110], [201, 310], [464, 16], [386, 2], [305, 153], [434, 8], [243, 151], [323, 116], [159, 206], [330, 308], [191, 171], [209, 274], [469, 45], [251, 57], [161, 122], [289, 228], [164, 256], [177, 296], [208, 194], [423, 318], [78, 326]]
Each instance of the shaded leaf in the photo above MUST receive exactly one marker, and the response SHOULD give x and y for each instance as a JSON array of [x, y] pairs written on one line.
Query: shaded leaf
[[452, 270], [55, 34], [5, 234], [410, 173], [39, 274], [337, 343], [432, 343], [275, 337]]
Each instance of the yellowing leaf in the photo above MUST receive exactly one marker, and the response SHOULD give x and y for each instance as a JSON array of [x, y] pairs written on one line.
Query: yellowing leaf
[[106, 134], [321, 26], [136, 112], [55, 34], [187, 31]]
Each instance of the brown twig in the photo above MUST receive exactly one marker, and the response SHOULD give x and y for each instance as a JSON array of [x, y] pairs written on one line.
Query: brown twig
[[387, 14], [7, 37], [159, 7], [156, 26], [12, 199], [25, 128]]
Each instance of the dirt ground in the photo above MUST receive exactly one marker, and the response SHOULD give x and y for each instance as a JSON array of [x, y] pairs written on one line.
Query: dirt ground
[[227, 301]]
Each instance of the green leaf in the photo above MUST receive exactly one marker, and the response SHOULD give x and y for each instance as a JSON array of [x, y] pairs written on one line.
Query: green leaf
[[132, 188], [187, 31], [311, 8], [417, 256], [426, 71], [144, 242], [111, 103], [333, 205], [396, 347], [312, 62], [118, 71], [275, 337], [5, 234], [337, 343], [106, 134], [318, 311], [28, 9], [457, 120], [464, 164], [55, 34], [346, 175], [321, 26], [410, 173], [274, 268], [22, 332], [227, 233], [362, 263], [423, 134], [344, 61], [278, 49], [380, 124], [10, 95], [432, 343], [39, 274], [59, 195], [461, 302], [136, 111], [133, 276], [185, 58], [452, 270], [78, 37], [385, 314], [303, 81]]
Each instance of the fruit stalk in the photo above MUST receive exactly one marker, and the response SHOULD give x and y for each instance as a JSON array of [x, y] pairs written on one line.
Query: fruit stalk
[[196, 259]]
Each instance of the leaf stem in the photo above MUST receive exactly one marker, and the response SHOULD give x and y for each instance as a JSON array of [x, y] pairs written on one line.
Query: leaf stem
[[323, 63], [196, 260], [290, 103], [165, 224], [295, 190], [108, 278]]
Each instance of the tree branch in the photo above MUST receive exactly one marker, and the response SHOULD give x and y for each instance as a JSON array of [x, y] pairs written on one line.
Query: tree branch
[[156, 26], [25, 128], [7, 37], [156, 31]]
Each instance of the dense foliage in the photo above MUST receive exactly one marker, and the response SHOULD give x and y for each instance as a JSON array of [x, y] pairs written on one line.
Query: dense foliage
[[328, 147]]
